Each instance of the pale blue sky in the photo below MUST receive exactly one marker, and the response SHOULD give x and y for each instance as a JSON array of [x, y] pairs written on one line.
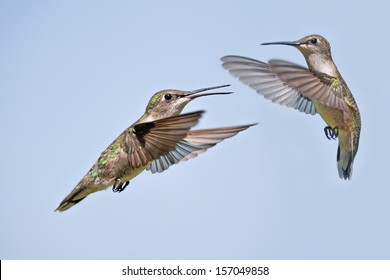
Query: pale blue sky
[[75, 74]]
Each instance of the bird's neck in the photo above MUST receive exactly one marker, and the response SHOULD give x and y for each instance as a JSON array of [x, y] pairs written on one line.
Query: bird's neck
[[147, 117], [322, 64], [156, 115]]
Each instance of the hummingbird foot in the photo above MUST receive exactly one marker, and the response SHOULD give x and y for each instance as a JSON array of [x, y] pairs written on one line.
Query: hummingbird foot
[[119, 186], [331, 133]]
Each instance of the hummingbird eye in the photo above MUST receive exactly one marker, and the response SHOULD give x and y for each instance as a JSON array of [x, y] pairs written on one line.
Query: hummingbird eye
[[313, 41], [168, 96]]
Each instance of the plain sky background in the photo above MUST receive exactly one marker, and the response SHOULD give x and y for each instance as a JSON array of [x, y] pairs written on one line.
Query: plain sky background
[[75, 74]]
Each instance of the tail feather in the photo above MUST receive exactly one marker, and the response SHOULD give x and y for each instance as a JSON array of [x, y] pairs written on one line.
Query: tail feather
[[81, 191], [67, 203], [346, 152], [344, 163]]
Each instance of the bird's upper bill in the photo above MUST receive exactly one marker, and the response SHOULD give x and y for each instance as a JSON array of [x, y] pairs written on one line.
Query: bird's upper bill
[[314, 40], [291, 43], [193, 94]]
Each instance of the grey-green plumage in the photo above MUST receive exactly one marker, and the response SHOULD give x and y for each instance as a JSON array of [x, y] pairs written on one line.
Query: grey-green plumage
[[317, 89], [159, 139]]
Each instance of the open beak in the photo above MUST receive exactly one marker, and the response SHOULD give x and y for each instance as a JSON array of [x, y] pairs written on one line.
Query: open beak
[[193, 94], [292, 43]]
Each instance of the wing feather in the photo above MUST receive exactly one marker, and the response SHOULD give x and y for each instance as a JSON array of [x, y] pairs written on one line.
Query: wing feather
[[148, 141], [285, 83], [195, 142]]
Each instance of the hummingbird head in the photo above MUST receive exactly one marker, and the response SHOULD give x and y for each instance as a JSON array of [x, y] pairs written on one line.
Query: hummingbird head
[[316, 50], [170, 102]]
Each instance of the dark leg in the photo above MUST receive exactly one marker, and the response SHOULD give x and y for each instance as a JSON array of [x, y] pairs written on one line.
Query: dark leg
[[331, 133], [119, 186], [125, 185]]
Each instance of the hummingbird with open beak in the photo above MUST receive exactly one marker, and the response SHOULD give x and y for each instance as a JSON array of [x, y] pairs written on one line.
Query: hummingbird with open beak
[[159, 139], [316, 89]]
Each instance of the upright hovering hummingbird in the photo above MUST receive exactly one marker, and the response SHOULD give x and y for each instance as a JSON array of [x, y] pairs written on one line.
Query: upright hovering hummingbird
[[159, 139], [318, 89]]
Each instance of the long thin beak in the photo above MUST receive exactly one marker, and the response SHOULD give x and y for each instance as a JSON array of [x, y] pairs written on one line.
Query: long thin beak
[[192, 95], [292, 43]]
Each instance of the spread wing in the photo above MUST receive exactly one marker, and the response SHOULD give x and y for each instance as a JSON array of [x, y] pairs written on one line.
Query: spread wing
[[145, 142], [286, 83], [196, 142]]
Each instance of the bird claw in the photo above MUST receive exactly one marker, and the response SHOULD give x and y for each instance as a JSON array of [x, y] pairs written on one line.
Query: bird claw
[[331, 133], [119, 186]]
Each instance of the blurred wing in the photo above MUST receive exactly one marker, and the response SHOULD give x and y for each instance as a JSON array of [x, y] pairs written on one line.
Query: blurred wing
[[148, 141], [196, 142], [285, 83]]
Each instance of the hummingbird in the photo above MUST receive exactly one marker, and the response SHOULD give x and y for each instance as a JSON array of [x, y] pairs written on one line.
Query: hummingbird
[[159, 139], [317, 89]]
